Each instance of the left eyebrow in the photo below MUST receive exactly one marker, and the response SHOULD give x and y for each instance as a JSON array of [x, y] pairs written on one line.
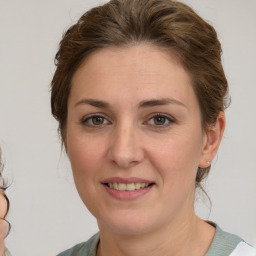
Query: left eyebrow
[[160, 102]]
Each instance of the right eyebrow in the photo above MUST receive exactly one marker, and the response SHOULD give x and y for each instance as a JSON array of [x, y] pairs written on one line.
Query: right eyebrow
[[94, 103]]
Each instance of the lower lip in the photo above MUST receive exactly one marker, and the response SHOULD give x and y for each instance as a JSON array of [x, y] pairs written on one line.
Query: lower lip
[[127, 195]]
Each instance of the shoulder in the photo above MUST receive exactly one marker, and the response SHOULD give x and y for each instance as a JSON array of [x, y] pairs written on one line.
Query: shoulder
[[87, 248], [227, 244]]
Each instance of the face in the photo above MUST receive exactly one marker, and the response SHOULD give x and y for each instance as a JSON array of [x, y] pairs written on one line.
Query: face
[[3, 224], [134, 138]]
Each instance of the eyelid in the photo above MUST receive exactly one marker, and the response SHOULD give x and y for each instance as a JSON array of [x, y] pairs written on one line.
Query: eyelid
[[168, 117], [85, 118]]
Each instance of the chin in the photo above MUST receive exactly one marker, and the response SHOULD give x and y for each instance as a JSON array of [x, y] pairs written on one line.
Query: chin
[[126, 229], [125, 224]]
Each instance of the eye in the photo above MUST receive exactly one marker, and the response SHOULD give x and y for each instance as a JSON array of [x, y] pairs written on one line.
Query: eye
[[160, 120], [95, 120]]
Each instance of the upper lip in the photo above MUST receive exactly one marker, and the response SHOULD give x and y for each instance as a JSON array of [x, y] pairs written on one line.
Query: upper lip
[[126, 180]]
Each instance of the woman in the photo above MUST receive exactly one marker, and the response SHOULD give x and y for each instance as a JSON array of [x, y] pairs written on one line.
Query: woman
[[4, 207], [139, 93]]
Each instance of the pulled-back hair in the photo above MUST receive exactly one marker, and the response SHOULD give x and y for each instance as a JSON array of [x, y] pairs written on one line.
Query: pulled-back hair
[[164, 23]]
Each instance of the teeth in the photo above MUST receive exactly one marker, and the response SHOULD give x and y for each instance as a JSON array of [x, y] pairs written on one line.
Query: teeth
[[137, 185], [143, 185], [127, 187], [130, 187], [121, 186], [115, 185]]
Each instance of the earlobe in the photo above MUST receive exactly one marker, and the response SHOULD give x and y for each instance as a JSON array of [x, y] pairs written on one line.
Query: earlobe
[[212, 140]]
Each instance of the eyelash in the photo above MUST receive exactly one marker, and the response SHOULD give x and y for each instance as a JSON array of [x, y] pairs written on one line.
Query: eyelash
[[85, 121], [166, 118]]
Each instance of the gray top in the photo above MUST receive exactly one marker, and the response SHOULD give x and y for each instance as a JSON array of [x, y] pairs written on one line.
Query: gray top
[[223, 244]]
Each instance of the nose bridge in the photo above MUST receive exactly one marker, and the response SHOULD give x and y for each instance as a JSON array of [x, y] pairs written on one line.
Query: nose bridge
[[125, 149]]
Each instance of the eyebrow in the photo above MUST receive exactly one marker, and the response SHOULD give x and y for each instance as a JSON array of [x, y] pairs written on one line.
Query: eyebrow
[[142, 104], [159, 102], [94, 103]]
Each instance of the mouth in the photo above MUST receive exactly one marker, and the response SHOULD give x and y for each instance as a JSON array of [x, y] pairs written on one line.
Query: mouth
[[128, 186]]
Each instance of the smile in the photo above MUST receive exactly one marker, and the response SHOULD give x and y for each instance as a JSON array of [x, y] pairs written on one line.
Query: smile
[[128, 186]]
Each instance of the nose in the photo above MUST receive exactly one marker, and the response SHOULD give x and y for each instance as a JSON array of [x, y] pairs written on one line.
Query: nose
[[125, 149]]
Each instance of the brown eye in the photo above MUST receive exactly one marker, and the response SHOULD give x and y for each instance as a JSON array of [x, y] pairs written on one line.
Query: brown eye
[[95, 120], [160, 120]]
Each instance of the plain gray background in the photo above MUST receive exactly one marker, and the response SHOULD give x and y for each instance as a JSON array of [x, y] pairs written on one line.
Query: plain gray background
[[46, 213]]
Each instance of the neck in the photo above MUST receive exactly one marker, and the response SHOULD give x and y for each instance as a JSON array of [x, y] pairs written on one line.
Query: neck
[[187, 237]]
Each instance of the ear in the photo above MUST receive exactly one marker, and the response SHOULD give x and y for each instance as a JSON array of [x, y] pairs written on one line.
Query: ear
[[211, 141]]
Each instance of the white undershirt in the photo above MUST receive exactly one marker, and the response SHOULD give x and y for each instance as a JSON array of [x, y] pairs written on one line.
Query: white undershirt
[[243, 249]]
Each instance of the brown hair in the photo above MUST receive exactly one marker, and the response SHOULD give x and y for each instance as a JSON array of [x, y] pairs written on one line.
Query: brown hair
[[164, 23]]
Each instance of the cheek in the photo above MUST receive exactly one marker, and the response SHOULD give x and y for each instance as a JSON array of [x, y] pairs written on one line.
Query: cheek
[[176, 159], [3, 206], [85, 154], [85, 157]]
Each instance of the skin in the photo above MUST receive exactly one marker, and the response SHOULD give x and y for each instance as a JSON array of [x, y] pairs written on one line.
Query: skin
[[130, 142], [3, 210]]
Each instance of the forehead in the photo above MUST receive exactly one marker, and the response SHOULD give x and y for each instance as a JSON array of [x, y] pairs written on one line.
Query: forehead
[[143, 69]]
